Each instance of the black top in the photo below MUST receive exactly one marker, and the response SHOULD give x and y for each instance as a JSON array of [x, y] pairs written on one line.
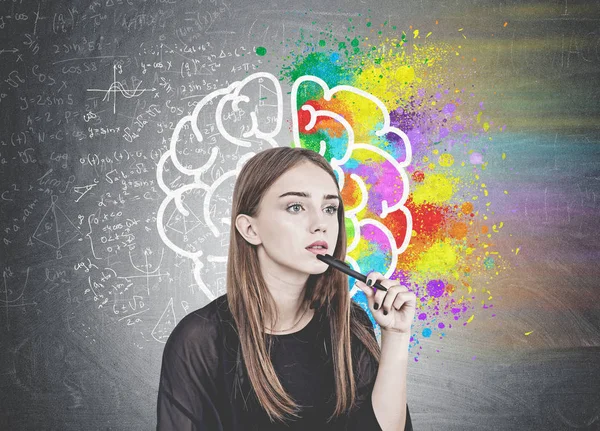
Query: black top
[[204, 386]]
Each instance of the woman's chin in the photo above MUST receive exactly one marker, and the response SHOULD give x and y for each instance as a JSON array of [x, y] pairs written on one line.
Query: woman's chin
[[318, 267]]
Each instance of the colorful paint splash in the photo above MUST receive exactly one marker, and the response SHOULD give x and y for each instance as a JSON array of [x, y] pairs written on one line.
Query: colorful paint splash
[[450, 257]]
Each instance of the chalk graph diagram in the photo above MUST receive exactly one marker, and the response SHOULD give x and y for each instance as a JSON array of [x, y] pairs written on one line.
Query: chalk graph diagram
[[13, 297], [118, 87]]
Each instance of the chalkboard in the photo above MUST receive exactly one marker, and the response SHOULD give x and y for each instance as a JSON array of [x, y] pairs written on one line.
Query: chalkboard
[[124, 123]]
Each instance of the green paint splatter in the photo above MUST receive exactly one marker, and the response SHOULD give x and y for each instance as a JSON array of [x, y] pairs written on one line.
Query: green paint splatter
[[261, 50], [319, 64], [354, 42], [321, 42], [489, 263]]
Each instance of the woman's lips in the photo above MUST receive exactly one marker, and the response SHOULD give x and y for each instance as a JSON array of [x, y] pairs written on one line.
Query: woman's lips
[[317, 250]]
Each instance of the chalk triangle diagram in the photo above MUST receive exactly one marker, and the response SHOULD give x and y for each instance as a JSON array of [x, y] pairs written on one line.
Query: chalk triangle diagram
[[183, 224], [45, 231], [263, 96], [165, 324], [55, 229], [66, 230]]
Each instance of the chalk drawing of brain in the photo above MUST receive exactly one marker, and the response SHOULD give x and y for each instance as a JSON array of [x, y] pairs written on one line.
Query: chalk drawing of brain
[[348, 126]]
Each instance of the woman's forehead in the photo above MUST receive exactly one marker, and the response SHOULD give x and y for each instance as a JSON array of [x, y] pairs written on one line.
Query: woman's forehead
[[306, 178], [308, 188]]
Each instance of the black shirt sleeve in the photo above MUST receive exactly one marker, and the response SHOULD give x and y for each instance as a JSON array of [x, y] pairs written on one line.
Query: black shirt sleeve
[[187, 388], [364, 416]]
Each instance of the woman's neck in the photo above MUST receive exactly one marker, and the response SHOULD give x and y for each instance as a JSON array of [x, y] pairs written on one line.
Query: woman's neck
[[291, 311], [288, 294], [283, 327]]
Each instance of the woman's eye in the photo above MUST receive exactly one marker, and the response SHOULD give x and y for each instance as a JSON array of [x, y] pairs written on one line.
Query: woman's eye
[[332, 208]]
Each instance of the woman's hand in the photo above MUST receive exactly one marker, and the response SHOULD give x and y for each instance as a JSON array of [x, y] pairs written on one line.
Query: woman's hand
[[393, 310]]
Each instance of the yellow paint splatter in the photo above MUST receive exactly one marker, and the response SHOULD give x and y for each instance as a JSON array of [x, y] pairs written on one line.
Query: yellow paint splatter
[[441, 257], [405, 75], [470, 319], [435, 188], [446, 160], [527, 333]]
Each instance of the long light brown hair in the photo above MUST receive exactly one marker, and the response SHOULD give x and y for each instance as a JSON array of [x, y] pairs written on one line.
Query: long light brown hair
[[251, 303]]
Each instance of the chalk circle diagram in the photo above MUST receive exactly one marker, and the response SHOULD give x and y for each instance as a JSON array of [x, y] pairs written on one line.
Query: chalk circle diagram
[[231, 101]]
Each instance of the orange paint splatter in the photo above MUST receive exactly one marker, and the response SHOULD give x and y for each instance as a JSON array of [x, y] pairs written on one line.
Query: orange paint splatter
[[467, 208], [351, 193], [458, 230]]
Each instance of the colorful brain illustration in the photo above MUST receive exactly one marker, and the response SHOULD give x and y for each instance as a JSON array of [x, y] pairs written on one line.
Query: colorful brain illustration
[[408, 146], [400, 121], [351, 128]]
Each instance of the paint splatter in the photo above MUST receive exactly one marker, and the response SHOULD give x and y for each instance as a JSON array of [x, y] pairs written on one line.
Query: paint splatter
[[451, 256]]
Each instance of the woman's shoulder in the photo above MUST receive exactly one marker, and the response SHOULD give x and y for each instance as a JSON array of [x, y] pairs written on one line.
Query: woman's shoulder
[[200, 326]]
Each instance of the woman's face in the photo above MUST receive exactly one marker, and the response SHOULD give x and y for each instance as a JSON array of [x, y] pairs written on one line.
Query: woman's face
[[298, 209]]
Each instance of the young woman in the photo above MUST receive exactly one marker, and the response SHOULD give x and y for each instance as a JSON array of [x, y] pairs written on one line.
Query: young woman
[[286, 348]]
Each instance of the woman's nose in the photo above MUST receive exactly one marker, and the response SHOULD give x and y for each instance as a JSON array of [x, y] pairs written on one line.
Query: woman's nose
[[318, 221]]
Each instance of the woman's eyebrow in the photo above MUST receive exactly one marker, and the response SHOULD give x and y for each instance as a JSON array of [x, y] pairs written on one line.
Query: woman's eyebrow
[[307, 195]]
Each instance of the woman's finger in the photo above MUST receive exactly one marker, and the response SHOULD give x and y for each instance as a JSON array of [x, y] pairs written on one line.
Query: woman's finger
[[368, 291], [373, 277], [390, 297], [405, 299]]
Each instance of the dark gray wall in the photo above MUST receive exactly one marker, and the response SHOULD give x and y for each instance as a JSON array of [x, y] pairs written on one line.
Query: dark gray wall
[[90, 93]]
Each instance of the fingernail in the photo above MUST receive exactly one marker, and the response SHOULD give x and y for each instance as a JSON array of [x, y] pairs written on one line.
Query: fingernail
[[384, 313], [376, 306], [369, 282]]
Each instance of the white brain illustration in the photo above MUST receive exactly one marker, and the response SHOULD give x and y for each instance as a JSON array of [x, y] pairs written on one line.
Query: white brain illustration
[[198, 188]]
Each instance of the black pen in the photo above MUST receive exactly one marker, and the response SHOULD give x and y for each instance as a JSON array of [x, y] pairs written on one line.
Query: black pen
[[343, 266]]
